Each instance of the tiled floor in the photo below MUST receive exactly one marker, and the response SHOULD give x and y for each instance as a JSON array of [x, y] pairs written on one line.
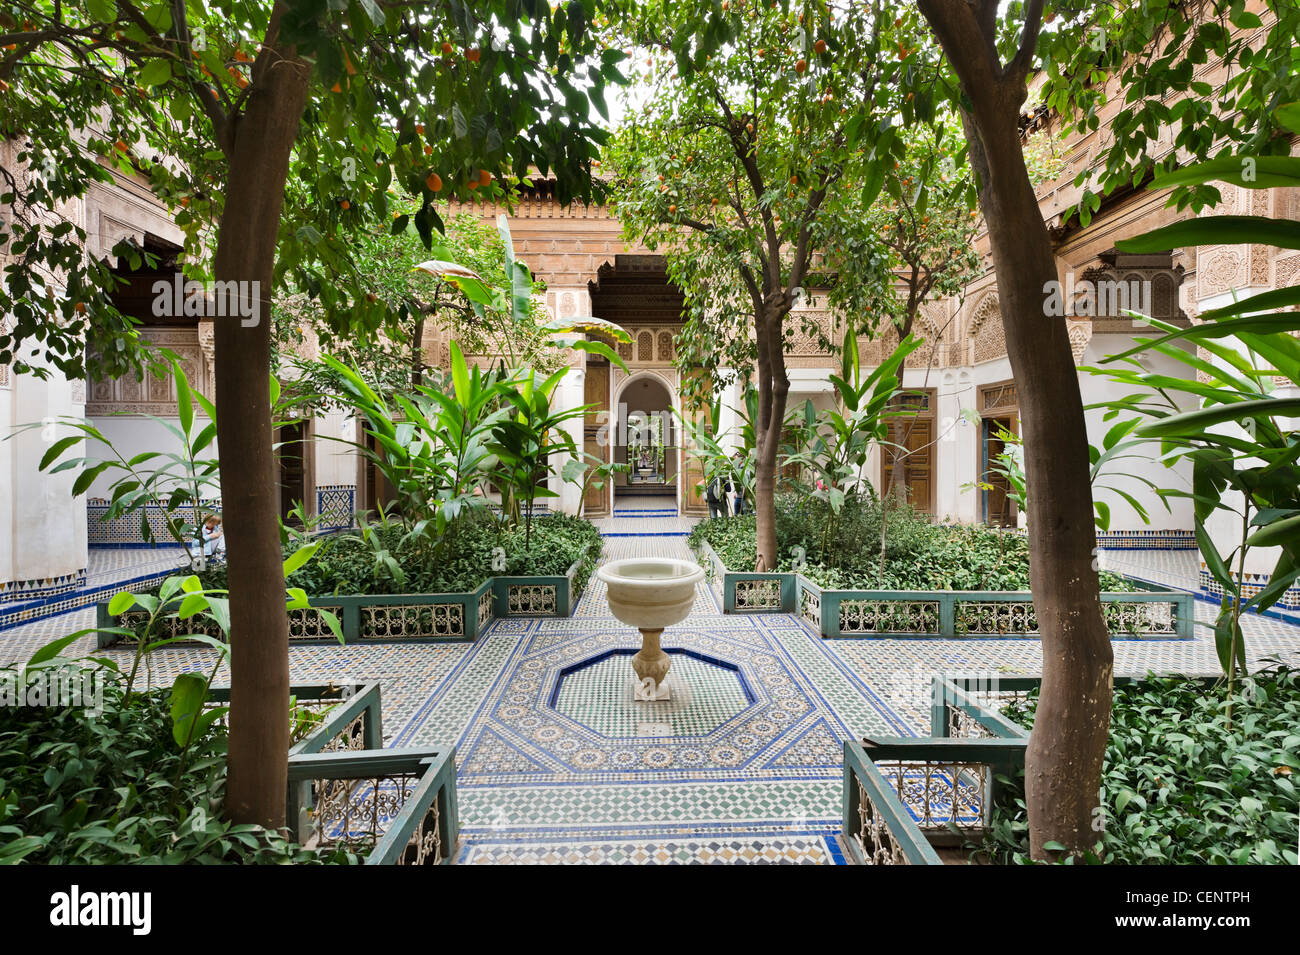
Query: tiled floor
[[556, 763]]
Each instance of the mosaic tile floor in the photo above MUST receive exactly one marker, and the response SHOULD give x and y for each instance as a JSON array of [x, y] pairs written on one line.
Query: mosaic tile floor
[[558, 764]]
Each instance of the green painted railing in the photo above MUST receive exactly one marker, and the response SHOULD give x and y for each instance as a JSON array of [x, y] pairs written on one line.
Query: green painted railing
[[398, 618], [395, 806], [1141, 614], [900, 793]]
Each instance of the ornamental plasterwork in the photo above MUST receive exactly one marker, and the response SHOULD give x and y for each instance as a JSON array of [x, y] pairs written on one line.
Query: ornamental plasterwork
[[1287, 271], [668, 377], [650, 345], [154, 395], [988, 338], [1080, 334], [1218, 270]]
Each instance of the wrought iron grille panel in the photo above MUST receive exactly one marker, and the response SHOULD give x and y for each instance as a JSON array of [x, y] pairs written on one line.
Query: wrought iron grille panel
[[875, 841], [759, 594], [384, 622], [962, 726], [425, 847], [810, 608], [1147, 617], [308, 624], [995, 617], [889, 616], [532, 598], [939, 794], [355, 813]]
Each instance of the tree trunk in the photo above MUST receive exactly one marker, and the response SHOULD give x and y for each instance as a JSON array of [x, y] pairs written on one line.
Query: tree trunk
[[773, 391], [1071, 726], [259, 639]]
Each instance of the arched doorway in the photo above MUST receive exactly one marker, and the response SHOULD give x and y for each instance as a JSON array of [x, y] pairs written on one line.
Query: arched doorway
[[646, 438]]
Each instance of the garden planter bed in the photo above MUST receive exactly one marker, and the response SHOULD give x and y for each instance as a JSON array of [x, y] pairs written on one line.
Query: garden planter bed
[[400, 618], [1142, 614], [1183, 782]]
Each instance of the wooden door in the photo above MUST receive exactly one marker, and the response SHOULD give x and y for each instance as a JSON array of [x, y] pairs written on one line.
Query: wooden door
[[915, 433], [297, 468], [596, 442]]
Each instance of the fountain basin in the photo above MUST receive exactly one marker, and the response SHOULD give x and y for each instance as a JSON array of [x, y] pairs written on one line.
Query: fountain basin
[[650, 593]]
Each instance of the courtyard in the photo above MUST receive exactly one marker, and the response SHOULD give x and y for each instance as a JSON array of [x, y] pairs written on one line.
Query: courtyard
[[557, 766], [649, 432]]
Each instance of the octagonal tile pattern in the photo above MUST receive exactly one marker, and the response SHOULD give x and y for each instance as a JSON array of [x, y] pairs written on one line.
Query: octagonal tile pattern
[[706, 694], [563, 706]]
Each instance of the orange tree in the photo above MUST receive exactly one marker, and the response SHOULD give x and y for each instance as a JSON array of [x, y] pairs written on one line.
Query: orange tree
[[1151, 53], [218, 107], [769, 129]]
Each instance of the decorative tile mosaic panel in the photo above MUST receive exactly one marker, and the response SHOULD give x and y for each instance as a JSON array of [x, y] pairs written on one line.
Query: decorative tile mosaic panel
[[335, 505]]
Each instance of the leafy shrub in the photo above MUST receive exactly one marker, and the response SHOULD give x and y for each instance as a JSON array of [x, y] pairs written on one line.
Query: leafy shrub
[[919, 554], [1183, 781], [458, 561], [113, 788]]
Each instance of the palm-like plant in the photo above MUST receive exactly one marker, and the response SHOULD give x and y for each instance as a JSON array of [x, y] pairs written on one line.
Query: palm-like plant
[[1242, 438], [524, 438]]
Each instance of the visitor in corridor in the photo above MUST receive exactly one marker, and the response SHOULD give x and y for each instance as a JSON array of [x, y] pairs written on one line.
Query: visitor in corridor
[[212, 542], [713, 495]]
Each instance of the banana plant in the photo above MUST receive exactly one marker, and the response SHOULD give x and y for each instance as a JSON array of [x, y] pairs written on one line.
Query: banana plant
[[432, 446], [514, 308], [1241, 438], [525, 438]]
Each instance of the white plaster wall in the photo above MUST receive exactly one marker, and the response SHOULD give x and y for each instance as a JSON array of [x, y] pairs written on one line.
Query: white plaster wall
[[1224, 527], [131, 435], [43, 527], [336, 462], [1125, 473], [7, 503], [569, 394], [956, 453]]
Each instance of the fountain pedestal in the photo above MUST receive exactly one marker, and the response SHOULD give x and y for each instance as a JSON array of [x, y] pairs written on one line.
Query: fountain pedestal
[[651, 593], [651, 666]]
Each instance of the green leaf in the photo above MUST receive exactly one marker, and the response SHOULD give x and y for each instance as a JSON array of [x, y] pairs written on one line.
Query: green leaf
[[188, 693], [1276, 534], [155, 73], [1251, 172], [121, 603], [1288, 114], [300, 557], [54, 648], [56, 449], [1193, 424], [1216, 230]]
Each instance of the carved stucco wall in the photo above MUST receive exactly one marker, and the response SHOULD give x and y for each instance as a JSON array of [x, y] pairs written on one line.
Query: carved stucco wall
[[156, 395]]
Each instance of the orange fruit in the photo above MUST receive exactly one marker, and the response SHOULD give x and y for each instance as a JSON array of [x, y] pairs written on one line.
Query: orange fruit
[[344, 205], [800, 66], [372, 297], [434, 182], [819, 47], [81, 308], [121, 146], [484, 177], [428, 150], [447, 48], [336, 88], [472, 55], [419, 129], [672, 208]]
